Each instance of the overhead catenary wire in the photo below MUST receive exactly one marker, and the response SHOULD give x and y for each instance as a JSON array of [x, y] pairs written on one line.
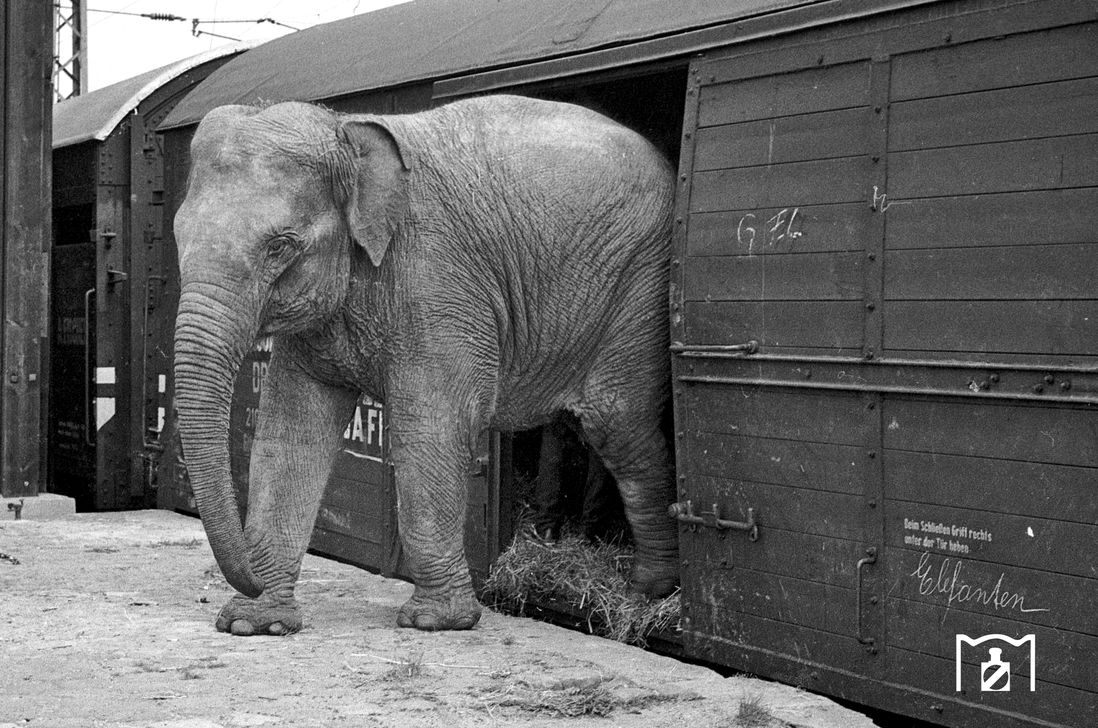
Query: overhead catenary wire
[[195, 22]]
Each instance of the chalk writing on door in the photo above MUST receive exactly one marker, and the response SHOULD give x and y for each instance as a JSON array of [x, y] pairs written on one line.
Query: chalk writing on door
[[944, 577], [754, 232]]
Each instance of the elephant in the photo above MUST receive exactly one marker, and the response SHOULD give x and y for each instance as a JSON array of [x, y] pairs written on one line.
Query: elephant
[[488, 263]]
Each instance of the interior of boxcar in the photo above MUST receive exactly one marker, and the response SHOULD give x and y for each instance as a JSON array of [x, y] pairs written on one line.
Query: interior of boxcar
[[71, 465]]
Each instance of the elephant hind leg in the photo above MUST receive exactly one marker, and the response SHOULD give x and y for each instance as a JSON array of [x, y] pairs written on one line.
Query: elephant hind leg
[[624, 428]]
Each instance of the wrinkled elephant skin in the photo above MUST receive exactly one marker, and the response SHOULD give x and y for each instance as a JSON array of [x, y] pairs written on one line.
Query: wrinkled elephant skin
[[487, 264]]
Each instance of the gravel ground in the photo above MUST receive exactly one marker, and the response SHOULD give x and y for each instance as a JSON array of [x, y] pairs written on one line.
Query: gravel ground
[[108, 622]]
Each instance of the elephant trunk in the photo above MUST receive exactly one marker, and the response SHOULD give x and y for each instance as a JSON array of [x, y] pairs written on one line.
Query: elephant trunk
[[210, 344]]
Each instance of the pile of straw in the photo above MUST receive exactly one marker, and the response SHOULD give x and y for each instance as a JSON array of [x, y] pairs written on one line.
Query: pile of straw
[[590, 579]]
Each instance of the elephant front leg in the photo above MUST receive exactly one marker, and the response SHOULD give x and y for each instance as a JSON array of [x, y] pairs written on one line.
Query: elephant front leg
[[431, 454], [300, 425]]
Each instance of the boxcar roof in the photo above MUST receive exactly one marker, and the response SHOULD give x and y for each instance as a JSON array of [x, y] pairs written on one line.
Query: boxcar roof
[[94, 115], [429, 39]]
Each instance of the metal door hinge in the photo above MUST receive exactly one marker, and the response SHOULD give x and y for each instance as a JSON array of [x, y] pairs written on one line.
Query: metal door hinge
[[684, 513], [479, 467]]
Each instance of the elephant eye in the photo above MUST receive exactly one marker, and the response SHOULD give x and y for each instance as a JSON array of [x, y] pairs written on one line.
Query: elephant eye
[[279, 245]]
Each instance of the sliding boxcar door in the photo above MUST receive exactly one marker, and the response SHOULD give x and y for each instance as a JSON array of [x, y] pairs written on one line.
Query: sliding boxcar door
[[777, 504]]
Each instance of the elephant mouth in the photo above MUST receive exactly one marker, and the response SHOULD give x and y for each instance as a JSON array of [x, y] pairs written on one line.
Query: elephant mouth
[[276, 328]]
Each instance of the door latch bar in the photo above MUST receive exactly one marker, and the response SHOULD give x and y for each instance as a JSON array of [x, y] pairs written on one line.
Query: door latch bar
[[684, 513], [715, 350]]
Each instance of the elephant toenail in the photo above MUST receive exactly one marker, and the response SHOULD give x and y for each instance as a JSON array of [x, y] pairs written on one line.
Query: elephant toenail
[[242, 628]]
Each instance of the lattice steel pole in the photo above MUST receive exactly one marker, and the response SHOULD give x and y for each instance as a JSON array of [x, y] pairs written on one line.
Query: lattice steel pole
[[70, 49]]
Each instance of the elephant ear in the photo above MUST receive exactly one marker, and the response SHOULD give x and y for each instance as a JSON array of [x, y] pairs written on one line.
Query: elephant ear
[[375, 194]]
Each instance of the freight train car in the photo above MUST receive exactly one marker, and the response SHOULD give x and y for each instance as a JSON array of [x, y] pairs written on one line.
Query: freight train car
[[883, 323], [110, 331]]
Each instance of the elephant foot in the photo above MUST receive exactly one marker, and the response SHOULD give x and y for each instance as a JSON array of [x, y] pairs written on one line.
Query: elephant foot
[[654, 580], [244, 617], [436, 613]]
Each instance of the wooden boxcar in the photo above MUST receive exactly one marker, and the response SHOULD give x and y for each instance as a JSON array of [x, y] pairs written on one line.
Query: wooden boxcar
[[886, 331], [110, 333], [883, 319]]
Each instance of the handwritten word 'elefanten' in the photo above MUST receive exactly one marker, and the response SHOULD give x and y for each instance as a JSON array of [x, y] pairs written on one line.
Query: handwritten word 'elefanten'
[[949, 581]]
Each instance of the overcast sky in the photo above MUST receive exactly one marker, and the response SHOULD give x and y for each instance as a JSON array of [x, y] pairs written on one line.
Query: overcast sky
[[122, 46]]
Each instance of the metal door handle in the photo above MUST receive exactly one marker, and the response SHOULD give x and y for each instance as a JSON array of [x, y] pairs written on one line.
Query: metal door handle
[[87, 366], [870, 558]]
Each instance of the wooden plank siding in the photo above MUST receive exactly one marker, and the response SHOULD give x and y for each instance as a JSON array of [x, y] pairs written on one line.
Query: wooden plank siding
[[1051, 109], [1012, 153], [1017, 166], [801, 277], [1017, 272], [758, 412], [1056, 705], [814, 604], [778, 218], [812, 512], [779, 165], [767, 231], [1060, 435], [1016, 60], [767, 97], [1002, 328], [931, 629], [1063, 493], [791, 554], [781, 140], [798, 464], [835, 327], [1005, 539], [990, 232], [1043, 217], [1029, 596], [902, 232], [826, 181]]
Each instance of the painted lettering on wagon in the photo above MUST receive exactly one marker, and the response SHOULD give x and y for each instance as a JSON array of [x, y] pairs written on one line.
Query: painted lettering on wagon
[[364, 436], [942, 575], [768, 233], [950, 538]]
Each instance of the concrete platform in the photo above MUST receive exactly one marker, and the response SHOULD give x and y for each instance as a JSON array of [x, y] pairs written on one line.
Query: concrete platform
[[108, 621], [43, 505]]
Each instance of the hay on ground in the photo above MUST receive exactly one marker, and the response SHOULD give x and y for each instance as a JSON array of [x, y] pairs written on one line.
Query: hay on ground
[[591, 578]]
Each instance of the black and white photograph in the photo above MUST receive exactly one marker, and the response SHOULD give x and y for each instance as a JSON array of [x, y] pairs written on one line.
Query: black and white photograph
[[549, 363]]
